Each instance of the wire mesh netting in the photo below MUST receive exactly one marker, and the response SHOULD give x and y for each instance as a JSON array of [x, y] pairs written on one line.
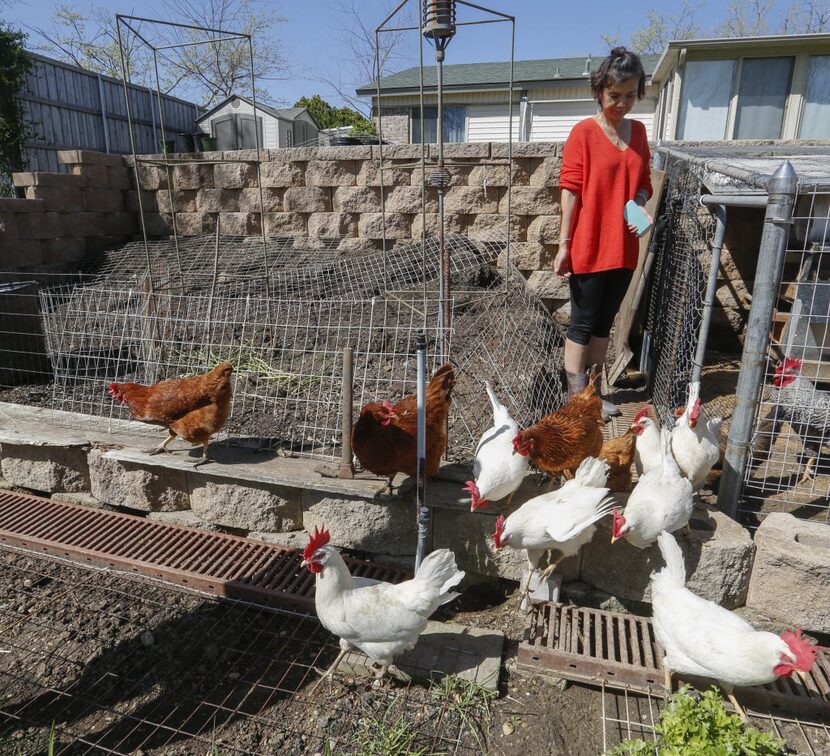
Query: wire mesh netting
[[283, 312], [630, 716], [788, 467], [122, 665], [683, 258]]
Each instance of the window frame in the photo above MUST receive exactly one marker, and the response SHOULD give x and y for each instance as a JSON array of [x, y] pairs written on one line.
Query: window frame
[[413, 118]]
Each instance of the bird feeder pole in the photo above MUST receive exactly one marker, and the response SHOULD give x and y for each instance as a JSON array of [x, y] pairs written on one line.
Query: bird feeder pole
[[420, 489]]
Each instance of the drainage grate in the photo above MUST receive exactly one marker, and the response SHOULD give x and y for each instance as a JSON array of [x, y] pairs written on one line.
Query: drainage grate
[[620, 650], [223, 565]]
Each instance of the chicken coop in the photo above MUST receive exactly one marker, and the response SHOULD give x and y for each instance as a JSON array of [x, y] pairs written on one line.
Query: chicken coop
[[739, 270]]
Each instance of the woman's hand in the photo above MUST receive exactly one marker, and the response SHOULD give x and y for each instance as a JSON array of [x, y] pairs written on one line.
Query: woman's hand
[[562, 262], [632, 227]]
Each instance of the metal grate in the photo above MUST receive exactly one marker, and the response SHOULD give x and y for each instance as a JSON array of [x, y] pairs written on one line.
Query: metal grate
[[620, 650], [219, 564]]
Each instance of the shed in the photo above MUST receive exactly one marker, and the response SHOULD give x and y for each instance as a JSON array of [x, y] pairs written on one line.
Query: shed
[[232, 121]]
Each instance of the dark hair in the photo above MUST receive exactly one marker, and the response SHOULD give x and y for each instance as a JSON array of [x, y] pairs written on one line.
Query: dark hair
[[621, 64]]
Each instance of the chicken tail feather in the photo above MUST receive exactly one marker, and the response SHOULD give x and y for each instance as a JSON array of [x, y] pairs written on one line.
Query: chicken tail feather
[[440, 572], [592, 472], [675, 570]]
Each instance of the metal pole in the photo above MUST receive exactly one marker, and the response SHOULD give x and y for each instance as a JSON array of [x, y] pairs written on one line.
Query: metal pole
[[711, 289], [442, 247], [346, 469], [420, 490], [782, 189]]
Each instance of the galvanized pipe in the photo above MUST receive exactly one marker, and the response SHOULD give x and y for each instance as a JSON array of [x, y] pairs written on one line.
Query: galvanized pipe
[[782, 188], [421, 450], [734, 200], [711, 289], [346, 468]]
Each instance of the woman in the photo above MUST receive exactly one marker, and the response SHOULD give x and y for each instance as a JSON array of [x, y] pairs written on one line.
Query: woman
[[605, 163]]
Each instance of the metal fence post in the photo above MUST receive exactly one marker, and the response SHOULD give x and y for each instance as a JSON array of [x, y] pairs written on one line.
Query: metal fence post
[[782, 189], [420, 492]]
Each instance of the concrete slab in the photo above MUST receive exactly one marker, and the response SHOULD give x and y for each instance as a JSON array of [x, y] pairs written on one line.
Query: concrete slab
[[470, 653], [83, 498]]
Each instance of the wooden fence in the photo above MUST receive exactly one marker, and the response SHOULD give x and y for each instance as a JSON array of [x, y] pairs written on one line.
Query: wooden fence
[[68, 108]]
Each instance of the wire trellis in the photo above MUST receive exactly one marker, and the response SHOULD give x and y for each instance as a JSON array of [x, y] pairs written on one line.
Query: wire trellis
[[788, 466], [675, 303], [119, 665]]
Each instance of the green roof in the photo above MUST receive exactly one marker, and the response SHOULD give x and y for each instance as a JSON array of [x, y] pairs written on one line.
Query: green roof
[[489, 75]]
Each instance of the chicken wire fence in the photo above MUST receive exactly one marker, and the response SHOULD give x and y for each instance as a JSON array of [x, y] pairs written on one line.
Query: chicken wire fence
[[282, 312], [100, 661], [674, 310], [628, 716], [788, 467]]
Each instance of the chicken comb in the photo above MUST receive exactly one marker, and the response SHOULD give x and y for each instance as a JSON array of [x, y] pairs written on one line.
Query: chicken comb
[[644, 412], [319, 538], [471, 488], [388, 406], [695, 410], [619, 522], [498, 532], [789, 363], [803, 649]]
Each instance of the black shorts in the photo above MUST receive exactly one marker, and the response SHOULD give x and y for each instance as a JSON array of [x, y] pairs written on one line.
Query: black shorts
[[595, 300]]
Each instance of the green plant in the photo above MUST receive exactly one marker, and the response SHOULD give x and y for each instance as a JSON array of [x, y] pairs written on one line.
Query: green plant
[[690, 726], [15, 63], [469, 700], [381, 738]]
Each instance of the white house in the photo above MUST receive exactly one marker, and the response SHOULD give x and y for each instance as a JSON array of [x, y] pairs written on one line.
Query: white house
[[775, 87], [549, 97], [232, 123]]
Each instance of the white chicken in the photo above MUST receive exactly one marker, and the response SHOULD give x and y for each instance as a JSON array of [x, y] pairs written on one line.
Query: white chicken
[[704, 639], [661, 500], [695, 446], [648, 451], [381, 619], [561, 520], [498, 472]]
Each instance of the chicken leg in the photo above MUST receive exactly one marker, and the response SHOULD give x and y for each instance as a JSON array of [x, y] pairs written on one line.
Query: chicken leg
[[205, 456], [329, 673], [808, 476], [161, 447], [666, 678], [548, 571], [739, 710]]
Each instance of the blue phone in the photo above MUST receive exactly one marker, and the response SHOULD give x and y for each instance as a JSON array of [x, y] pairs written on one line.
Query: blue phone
[[634, 214]]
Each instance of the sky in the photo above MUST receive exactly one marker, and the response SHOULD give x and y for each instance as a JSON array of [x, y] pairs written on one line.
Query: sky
[[311, 34]]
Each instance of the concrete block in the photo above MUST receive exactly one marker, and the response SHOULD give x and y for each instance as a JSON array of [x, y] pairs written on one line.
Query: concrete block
[[151, 177], [282, 174], [527, 149], [397, 225], [234, 175], [488, 176], [192, 177], [21, 205], [93, 174], [121, 224], [148, 199], [718, 557], [41, 226], [471, 200], [398, 151], [190, 224], [229, 200], [89, 157], [312, 199], [209, 200], [292, 154], [158, 224], [545, 172], [356, 199], [330, 173], [52, 180], [118, 177], [409, 199], [489, 225], [65, 249], [356, 246], [240, 224], [252, 506], [285, 224], [97, 243], [270, 201], [529, 256], [186, 517], [84, 224], [345, 152], [545, 228], [454, 223], [83, 498], [22, 253], [791, 575], [332, 225], [369, 175], [45, 468], [463, 150], [547, 285], [182, 201], [291, 539], [59, 199], [384, 525], [531, 200], [149, 488]]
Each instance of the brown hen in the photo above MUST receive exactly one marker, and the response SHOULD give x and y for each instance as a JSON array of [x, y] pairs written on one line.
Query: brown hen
[[384, 438], [619, 454], [559, 442], [192, 408]]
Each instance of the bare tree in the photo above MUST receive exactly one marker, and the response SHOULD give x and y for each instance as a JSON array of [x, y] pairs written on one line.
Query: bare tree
[[356, 21], [662, 27], [746, 18], [806, 17], [205, 72]]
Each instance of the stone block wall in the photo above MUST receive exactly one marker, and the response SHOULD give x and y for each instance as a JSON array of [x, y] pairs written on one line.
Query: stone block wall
[[65, 215]]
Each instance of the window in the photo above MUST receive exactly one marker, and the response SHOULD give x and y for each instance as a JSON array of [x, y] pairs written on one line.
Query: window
[[815, 118], [762, 94], [704, 107], [454, 118]]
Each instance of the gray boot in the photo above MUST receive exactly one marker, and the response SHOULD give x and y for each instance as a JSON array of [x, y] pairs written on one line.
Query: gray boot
[[609, 409], [576, 382]]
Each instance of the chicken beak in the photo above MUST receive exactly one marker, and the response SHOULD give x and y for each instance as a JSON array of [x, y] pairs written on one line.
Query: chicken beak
[[614, 539], [305, 563]]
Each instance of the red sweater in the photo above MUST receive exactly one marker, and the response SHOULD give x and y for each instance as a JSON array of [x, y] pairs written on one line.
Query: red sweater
[[605, 178]]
